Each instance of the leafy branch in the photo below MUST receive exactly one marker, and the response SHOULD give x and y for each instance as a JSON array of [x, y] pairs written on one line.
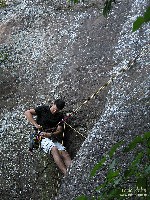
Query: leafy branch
[[133, 181], [107, 5], [141, 20]]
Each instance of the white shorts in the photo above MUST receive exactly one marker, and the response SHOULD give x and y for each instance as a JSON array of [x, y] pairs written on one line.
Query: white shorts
[[47, 144]]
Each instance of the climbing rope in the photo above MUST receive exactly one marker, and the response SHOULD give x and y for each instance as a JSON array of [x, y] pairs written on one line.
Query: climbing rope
[[106, 84], [74, 129], [131, 63]]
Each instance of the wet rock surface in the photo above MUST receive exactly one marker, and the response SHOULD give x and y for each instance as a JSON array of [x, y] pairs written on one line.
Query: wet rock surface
[[54, 50]]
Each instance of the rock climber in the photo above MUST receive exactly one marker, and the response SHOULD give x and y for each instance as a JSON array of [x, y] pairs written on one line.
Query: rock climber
[[49, 121]]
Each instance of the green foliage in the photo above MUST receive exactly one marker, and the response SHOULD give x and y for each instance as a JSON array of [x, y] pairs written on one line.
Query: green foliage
[[133, 144], [82, 198], [107, 7], [141, 19], [114, 148], [103, 160], [3, 3], [98, 166], [75, 1], [116, 184]]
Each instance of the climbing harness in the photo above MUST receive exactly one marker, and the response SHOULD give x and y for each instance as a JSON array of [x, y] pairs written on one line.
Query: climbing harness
[[35, 140]]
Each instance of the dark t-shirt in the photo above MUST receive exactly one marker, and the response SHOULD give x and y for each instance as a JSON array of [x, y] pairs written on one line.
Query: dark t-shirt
[[46, 119]]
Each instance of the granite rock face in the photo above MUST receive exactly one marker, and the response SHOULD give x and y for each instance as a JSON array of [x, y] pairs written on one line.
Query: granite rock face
[[51, 50], [126, 113]]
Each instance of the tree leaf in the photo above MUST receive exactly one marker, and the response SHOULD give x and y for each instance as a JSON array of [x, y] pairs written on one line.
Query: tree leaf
[[137, 24], [141, 19], [133, 167], [148, 151], [74, 1], [83, 197], [107, 7], [128, 173], [114, 192], [102, 186], [133, 144], [146, 135], [112, 165], [147, 138], [113, 149], [117, 181], [141, 182], [136, 160], [97, 166], [111, 174], [147, 170], [147, 15]]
